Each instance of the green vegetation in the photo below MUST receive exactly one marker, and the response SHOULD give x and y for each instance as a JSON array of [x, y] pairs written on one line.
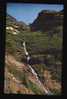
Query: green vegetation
[[41, 46], [23, 77], [34, 88], [36, 42], [39, 68], [56, 41], [18, 74], [30, 85], [56, 92]]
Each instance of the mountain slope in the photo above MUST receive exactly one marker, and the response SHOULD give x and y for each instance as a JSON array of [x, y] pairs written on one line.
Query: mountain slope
[[45, 50], [16, 75], [11, 21], [20, 79], [47, 21]]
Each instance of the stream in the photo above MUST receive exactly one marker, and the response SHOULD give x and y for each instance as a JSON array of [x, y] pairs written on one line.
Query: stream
[[33, 71]]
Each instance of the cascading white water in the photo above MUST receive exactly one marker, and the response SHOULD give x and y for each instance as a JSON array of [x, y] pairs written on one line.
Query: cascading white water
[[33, 71]]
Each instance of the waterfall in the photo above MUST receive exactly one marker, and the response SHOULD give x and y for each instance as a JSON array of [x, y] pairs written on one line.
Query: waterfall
[[33, 71]]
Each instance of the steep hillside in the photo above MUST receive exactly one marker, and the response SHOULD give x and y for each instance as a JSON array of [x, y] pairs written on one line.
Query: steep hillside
[[19, 78], [45, 50], [47, 21]]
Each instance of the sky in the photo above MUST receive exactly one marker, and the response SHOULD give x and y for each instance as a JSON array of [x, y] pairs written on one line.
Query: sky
[[29, 12]]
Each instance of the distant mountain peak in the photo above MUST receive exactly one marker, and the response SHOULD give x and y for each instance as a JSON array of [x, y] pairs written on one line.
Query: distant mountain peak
[[47, 20], [14, 23]]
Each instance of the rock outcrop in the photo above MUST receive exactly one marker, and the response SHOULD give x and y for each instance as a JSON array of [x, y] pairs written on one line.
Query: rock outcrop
[[47, 21]]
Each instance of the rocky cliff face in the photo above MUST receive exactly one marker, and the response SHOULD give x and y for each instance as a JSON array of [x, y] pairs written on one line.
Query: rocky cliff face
[[47, 21]]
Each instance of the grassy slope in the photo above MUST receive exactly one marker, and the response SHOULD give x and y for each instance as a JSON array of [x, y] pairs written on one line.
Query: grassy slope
[[37, 42]]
